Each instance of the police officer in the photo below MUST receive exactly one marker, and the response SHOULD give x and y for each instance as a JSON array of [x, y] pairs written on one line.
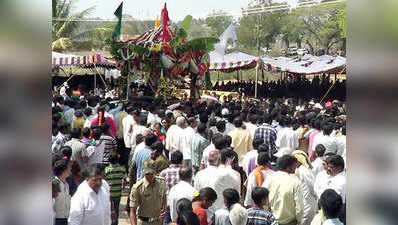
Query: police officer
[[148, 198]]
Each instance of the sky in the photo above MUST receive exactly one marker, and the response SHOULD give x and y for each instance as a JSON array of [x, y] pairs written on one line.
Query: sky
[[149, 9]]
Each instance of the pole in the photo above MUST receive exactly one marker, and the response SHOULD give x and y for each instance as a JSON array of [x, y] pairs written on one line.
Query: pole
[[128, 87], [255, 90], [106, 86], [95, 82]]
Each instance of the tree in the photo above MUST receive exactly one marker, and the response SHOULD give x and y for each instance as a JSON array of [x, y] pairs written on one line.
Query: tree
[[67, 33], [218, 23], [320, 25]]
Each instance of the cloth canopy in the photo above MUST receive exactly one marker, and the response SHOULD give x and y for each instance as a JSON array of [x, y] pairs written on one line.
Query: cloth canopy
[[60, 59], [306, 65], [234, 60]]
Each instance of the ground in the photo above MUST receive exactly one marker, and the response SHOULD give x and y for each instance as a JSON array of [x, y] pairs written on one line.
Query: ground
[[123, 218]]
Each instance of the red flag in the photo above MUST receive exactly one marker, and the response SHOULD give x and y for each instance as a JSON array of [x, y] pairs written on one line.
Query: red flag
[[165, 20]]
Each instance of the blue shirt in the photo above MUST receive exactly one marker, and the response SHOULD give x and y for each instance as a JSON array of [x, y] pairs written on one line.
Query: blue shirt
[[140, 158], [257, 216]]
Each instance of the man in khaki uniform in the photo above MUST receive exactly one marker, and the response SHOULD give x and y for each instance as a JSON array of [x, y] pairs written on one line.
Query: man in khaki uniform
[[148, 198]]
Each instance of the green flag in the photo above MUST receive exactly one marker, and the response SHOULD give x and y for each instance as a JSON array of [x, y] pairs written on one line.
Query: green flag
[[118, 14]]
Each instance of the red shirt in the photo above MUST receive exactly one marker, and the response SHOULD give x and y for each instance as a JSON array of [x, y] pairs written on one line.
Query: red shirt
[[202, 215]]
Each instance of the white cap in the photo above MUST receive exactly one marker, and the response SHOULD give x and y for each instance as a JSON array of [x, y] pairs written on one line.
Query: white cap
[[224, 111]]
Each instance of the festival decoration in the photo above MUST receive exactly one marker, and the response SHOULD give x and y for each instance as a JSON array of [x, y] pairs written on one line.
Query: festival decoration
[[164, 52]]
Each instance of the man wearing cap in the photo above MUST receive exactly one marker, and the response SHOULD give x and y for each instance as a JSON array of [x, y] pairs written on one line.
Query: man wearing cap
[[148, 198]]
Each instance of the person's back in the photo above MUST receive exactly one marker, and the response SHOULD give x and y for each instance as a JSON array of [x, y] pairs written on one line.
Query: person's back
[[256, 214], [285, 195], [241, 139], [287, 137]]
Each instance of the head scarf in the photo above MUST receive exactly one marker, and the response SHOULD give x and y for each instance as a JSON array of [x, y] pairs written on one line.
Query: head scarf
[[303, 158]]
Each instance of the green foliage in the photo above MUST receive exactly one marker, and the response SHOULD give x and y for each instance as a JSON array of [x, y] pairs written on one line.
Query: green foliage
[[342, 20], [218, 24], [205, 44], [186, 23]]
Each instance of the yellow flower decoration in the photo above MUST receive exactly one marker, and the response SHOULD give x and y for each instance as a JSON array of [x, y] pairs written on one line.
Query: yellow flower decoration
[[196, 194], [156, 47]]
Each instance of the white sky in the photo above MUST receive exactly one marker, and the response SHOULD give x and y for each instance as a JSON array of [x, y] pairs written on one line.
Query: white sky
[[148, 9]]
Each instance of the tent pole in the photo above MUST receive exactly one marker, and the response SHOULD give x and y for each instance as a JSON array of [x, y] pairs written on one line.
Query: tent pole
[[255, 90], [128, 87], [95, 82], [218, 76], [106, 86]]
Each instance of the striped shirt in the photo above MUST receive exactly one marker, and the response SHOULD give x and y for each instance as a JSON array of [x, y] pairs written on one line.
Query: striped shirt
[[114, 175], [268, 134], [110, 146], [258, 216]]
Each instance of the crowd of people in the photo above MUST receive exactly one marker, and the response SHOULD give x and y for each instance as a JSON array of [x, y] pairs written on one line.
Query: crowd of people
[[280, 160], [291, 87]]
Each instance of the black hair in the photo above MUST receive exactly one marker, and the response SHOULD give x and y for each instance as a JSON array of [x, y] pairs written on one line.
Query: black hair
[[66, 151], [176, 157], [285, 162], [203, 118], [201, 128], [336, 160], [231, 196], [207, 193], [331, 203], [212, 122], [114, 158], [258, 194], [219, 141], [327, 129], [94, 170], [262, 148], [63, 127], [228, 140], [150, 139], [86, 132], [182, 205], [139, 139], [257, 142], [343, 130], [97, 132], [188, 218], [320, 150], [185, 173], [224, 155], [262, 158], [220, 126], [157, 146], [238, 122], [253, 118], [87, 112], [75, 132], [59, 167], [92, 101]]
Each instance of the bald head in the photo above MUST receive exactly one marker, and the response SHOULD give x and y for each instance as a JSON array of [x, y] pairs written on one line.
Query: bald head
[[214, 157]]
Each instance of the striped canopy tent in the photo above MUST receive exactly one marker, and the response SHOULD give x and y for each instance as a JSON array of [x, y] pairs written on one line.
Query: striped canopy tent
[[60, 59], [306, 65], [231, 62]]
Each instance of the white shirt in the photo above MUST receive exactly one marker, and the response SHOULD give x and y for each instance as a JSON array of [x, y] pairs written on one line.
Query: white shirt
[[176, 139], [204, 178], [252, 183], [338, 183], [181, 190], [225, 177], [95, 153], [320, 183], [247, 158], [341, 141], [252, 129], [287, 138], [137, 129], [317, 166], [127, 123], [152, 119], [90, 208], [189, 132], [329, 142], [306, 177], [317, 140], [206, 153]]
